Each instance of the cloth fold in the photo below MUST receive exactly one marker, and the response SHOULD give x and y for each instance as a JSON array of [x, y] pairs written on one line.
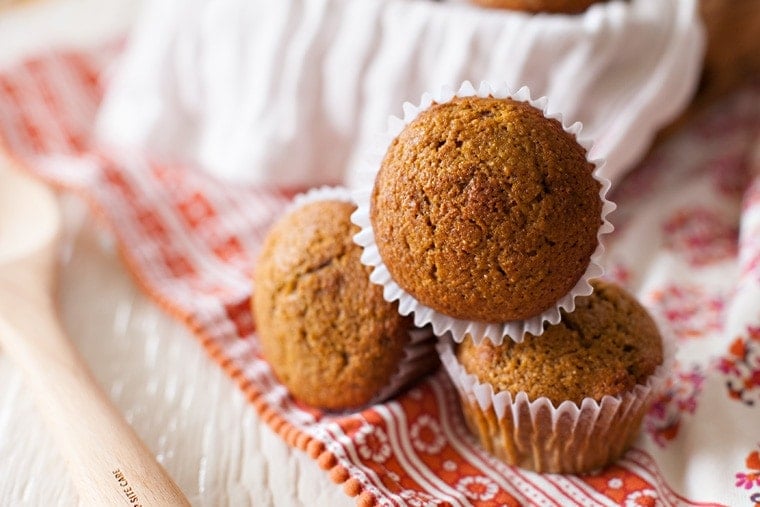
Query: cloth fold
[[294, 92]]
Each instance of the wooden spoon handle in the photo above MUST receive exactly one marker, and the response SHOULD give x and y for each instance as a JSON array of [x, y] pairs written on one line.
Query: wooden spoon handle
[[108, 462]]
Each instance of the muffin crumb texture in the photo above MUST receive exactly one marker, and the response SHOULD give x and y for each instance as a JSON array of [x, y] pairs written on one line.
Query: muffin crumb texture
[[327, 332], [483, 209], [607, 346]]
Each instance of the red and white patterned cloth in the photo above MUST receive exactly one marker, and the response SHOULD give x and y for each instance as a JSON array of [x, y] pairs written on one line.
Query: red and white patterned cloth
[[687, 242]]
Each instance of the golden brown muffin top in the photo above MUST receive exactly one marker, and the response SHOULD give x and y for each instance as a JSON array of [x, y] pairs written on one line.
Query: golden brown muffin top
[[327, 332], [608, 345], [552, 6], [484, 209]]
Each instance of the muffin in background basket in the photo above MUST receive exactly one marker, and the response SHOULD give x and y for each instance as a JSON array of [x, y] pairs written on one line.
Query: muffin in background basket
[[571, 400], [326, 331], [553, 6]]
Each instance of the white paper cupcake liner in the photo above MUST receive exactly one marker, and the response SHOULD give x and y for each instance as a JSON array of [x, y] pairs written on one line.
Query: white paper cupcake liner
[[419, 355], [423, 315], [584, 428], [317, 194], [419, 358]]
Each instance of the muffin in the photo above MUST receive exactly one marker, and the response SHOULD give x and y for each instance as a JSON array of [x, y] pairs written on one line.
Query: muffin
[[486, 210], [326, 331], [553, 6], [571, 400]]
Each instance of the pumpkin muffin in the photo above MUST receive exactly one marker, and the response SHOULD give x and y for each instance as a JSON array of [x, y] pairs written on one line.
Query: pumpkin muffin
[[571, 400], [326, 331], [535, 6], [486, 210]]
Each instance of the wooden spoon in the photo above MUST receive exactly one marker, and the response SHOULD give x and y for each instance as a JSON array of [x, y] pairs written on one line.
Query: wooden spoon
[[107, 461]]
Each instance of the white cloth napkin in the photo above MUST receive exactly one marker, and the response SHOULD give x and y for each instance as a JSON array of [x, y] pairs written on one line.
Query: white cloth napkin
[[295, 91]]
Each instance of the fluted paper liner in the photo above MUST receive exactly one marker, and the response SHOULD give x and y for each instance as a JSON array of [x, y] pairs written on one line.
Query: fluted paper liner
[[538, 436], [423, 315], [419, 354]]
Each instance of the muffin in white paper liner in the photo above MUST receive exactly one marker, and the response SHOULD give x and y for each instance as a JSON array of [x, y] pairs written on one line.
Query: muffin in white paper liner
[[419, 355], [423, 315], [539, 436]]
